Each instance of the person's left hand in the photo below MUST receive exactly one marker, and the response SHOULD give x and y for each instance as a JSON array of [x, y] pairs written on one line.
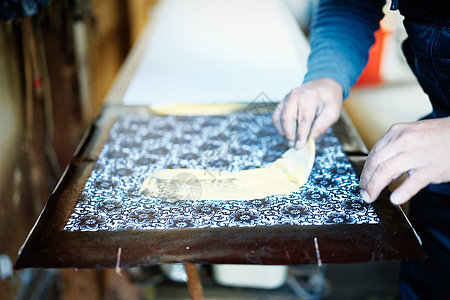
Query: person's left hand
[[421, 149]]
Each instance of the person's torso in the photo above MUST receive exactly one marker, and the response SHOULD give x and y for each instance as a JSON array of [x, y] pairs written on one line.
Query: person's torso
[[423, 10]]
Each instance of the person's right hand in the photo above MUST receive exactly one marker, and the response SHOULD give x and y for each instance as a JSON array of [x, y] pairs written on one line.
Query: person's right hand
[[308, 110]]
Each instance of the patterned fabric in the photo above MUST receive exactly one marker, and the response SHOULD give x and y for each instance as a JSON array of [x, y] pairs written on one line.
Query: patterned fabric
[[139, 145]]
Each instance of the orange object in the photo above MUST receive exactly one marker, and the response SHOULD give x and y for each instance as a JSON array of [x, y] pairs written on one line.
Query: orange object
[[371, 74]]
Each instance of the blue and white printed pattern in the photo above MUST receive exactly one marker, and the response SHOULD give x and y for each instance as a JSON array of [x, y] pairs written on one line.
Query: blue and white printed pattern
[[141, 144]]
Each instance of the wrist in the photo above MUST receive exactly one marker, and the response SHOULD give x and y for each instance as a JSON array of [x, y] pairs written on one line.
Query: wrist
[[328, 88]]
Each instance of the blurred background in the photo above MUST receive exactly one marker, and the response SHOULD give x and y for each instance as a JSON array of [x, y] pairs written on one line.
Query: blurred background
[[58, 64]]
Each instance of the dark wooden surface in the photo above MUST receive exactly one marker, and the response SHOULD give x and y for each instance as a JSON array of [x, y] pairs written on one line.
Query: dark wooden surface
[[50, 246]]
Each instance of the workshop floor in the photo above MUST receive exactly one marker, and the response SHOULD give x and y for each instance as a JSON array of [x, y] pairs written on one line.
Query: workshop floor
[[374, 281]]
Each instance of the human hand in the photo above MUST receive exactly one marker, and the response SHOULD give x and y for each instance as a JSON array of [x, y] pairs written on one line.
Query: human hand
[[308, 110], [421, 149]]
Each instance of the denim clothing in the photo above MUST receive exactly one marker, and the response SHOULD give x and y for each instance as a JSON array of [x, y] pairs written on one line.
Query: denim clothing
[[427, 51], [424, 10], [340, 39], [429, 214], [343, 32]]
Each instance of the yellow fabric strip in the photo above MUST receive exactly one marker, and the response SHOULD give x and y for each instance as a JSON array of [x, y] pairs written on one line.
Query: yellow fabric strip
[[285, 175], [211, 109], [218, 109]]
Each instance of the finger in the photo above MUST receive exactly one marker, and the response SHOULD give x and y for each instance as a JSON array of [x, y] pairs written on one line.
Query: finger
[[276, 116], [393, 134], [289, 119], [383, 174], [409, 187], [377, 156], [306, 115]]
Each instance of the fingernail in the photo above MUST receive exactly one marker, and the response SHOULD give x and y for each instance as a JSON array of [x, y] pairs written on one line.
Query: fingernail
[[365, 196], [291, 144], [298, 145], [395, 199]]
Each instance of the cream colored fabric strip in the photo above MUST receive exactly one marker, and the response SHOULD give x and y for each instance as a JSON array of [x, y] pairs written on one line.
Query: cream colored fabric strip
[[285, 175], [180, 109], [212, 109]]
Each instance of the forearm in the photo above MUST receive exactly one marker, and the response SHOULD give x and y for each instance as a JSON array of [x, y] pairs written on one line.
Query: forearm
[[342, 34]]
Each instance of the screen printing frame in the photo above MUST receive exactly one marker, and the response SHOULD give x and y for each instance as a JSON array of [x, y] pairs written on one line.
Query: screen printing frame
[[49, 246]]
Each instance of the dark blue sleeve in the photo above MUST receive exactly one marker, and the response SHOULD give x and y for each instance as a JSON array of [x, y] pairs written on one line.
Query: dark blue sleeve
[[12, 9], [341, 36]]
